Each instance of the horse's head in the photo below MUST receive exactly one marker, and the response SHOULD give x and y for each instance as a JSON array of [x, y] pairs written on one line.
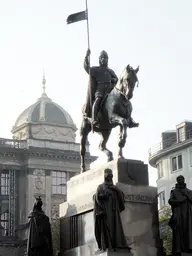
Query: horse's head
[[127, 81]]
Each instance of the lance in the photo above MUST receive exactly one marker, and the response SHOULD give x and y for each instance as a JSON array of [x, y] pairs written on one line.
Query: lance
[[89, 59]]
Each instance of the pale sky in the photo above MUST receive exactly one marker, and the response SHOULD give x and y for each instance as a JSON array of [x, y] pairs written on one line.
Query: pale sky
[[153, 34]]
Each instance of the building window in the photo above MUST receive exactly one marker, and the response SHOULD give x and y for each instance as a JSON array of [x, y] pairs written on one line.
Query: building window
[[190, 152], [161, 199], [176, 163], [4, 183], [160, 170], [180, 162], [181, 134], [59, 181], [4, 224]]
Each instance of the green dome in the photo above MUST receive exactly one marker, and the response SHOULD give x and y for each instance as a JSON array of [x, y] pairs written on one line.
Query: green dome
[[45, 111]]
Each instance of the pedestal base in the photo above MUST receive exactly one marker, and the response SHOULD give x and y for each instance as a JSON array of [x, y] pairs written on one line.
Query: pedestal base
[[114, 253], [139, 219], [91, 250]]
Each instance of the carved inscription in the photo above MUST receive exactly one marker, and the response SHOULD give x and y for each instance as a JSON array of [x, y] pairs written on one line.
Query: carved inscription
[[139, 199]]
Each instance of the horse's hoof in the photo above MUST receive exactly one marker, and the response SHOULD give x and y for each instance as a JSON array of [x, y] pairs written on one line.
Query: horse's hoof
[[83, 170], [99, 251], [109, 159]]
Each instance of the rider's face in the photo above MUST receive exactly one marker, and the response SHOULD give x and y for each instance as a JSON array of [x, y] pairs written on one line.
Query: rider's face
[[180, 179], [109, 176], [103, 60]]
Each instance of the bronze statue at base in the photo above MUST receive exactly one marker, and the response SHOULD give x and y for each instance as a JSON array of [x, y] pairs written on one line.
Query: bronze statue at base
[[40, 238], [108, 204], [181, 219]]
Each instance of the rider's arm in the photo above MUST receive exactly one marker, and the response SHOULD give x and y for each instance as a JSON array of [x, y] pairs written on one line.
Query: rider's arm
[[114, 78], [86, 64]]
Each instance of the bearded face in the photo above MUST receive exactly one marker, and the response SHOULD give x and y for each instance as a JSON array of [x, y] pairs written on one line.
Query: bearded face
[[103, 59]]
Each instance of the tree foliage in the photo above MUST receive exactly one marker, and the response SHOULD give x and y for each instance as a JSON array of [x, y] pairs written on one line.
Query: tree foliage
[[56, 236], [165, 230]]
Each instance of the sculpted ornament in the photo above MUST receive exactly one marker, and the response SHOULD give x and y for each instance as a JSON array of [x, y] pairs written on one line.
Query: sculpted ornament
[[38, 183], [57, 132], [39, 179]]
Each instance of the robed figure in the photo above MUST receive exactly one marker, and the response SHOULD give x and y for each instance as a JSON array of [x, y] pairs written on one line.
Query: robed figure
[[40, 239], [108, 204], [181, 219]]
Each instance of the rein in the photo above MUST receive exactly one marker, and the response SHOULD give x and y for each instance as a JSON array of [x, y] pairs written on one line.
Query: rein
[[121, 92]]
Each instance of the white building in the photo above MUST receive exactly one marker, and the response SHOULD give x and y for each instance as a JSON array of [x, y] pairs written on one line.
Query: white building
[[172, 157]]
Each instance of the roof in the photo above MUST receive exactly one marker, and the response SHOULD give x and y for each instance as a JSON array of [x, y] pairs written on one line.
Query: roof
[[44, 111]]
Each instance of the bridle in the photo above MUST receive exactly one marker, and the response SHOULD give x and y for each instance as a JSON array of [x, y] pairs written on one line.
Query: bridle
[[129, 83]]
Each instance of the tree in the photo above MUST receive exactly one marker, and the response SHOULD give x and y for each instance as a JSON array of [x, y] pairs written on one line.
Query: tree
[[56, 236], [165, 230]]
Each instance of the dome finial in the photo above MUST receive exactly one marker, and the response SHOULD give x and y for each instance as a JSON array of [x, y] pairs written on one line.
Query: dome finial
[[44, 81]]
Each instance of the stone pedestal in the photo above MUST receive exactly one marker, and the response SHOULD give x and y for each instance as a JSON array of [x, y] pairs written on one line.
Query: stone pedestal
[[87, 250], [139, 219]]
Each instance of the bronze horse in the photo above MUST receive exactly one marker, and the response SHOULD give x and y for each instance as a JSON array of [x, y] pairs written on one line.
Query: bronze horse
[[116, 111]]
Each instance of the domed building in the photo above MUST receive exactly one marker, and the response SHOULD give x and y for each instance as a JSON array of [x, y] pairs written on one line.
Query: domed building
[[45, 120], [38, 161]]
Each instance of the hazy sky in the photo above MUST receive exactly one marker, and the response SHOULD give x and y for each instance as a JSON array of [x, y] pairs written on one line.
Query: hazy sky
[[154, 34]]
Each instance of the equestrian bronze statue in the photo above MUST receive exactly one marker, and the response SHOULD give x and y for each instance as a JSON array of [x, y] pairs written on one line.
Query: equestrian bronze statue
[[107, 105]]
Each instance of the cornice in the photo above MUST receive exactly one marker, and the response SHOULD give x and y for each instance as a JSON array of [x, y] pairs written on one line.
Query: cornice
[[164, 152], [22, 154]]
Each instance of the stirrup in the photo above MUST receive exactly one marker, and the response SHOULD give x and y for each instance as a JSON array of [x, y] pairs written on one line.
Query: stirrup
[[94, 122], [133, 124]]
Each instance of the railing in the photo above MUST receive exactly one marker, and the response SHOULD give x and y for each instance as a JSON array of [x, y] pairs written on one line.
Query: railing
[[13, 143], [166, 144]]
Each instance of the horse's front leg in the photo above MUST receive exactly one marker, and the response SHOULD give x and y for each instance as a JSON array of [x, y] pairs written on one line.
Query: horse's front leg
[[102, 145], [122, 136], [84, 131], [120, 149]]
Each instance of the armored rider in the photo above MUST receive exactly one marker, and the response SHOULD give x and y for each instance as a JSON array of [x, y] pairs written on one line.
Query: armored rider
[[103, 80]]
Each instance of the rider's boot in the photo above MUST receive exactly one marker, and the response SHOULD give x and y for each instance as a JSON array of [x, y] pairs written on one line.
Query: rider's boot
[[95, 110], [132, 123]]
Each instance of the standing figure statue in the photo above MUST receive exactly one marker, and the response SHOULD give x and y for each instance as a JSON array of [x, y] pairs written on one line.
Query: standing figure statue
[[40, 238], [102, 82], [108, 204], [107, 105], [181, 219]]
